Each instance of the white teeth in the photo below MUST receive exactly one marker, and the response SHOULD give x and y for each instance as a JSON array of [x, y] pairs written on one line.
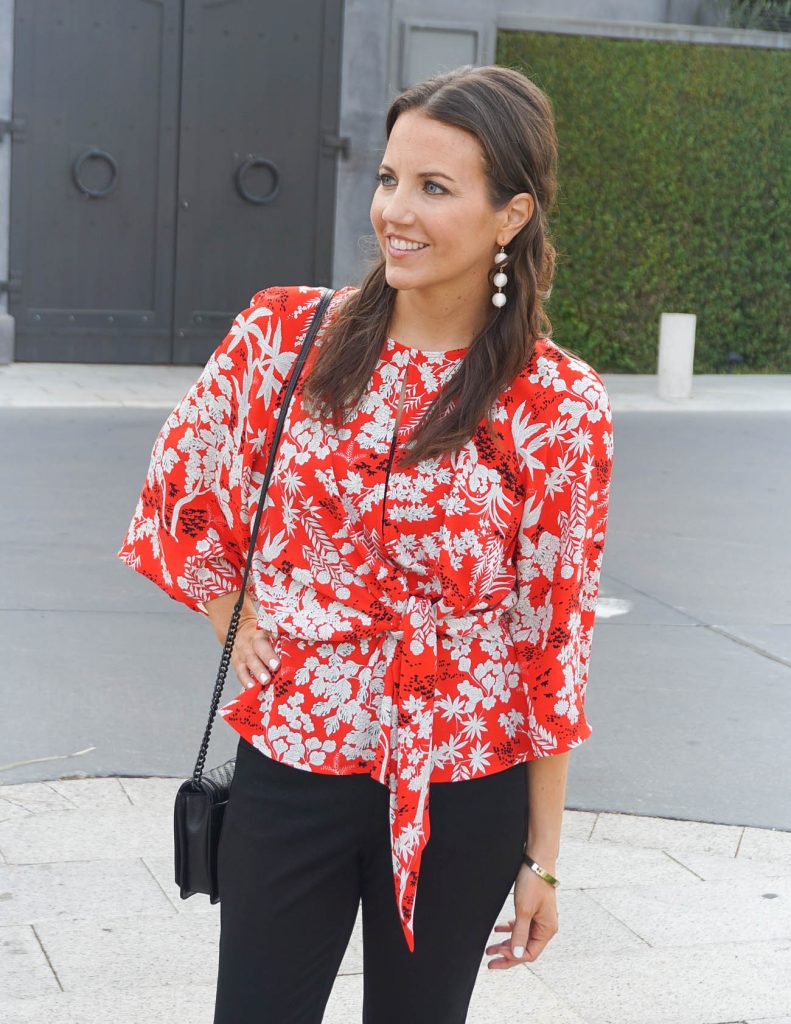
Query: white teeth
[[398, 243]]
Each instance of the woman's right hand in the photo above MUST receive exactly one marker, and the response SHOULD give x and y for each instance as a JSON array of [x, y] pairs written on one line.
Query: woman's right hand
[[253, 657], [252, 649]]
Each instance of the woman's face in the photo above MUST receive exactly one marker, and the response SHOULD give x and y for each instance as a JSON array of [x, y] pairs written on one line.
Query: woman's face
[[432, 190]]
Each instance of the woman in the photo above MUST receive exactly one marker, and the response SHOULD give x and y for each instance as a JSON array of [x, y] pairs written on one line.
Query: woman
[[427, 568]]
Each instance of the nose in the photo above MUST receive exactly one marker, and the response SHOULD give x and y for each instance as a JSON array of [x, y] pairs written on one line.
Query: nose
[[395, 208]]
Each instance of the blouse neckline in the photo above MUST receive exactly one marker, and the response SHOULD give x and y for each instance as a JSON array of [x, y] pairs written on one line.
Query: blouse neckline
[[438, 354]]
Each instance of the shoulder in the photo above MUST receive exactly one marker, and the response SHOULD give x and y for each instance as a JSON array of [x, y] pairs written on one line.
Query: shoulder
[[276, 322], [555, 382], [559, 409], [294, 304], [269, 334]]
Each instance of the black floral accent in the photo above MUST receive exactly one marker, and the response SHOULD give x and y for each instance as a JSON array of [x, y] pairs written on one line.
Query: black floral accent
[[192, 522]]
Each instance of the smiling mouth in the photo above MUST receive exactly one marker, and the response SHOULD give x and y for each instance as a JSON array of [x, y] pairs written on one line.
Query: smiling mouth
[[403, 248]]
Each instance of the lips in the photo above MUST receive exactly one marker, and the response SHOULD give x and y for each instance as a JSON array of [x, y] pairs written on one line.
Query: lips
[[393, 250]]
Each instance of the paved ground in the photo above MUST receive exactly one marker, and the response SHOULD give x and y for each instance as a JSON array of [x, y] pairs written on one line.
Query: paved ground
[[675, 900], [662, 922]]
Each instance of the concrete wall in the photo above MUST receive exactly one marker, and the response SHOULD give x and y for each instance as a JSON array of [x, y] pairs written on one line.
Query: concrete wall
[[6, 71], [364, 100]]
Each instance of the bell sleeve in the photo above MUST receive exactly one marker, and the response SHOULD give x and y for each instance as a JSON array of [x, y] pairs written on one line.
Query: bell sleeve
[[567, 458], [188, 534]]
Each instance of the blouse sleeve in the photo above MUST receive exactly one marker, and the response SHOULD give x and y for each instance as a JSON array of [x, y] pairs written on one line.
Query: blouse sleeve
[[187, 533], [558, 557]]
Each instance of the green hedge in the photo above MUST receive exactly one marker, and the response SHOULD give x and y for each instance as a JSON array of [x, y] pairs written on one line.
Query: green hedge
[[674, 195]]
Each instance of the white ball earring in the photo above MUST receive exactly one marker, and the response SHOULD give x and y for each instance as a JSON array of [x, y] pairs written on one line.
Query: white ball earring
[[500, 280]]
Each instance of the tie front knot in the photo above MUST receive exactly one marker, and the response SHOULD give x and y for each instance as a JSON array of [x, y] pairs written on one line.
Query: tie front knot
[[419, 608], [420, 625]]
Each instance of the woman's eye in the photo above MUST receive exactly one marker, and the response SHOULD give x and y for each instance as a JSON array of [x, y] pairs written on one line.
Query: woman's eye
[[380, 178]]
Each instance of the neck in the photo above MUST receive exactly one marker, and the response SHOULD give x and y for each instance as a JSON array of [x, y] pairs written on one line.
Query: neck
[[432, 319]]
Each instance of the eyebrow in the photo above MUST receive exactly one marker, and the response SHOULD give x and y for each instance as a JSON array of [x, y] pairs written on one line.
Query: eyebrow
[[422, 174]]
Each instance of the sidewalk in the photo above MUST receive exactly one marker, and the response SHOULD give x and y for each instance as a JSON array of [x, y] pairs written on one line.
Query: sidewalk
[[661, 921], [36, 385]]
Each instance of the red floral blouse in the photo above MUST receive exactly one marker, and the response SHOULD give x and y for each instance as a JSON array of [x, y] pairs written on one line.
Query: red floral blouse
[[433, 624]]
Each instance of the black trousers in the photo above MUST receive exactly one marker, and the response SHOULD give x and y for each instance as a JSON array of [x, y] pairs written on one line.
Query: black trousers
[[298, 853]]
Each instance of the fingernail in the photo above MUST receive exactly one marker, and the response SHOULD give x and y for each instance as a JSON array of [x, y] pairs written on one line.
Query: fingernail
[[264, 676], [274, 663], [518, 951]]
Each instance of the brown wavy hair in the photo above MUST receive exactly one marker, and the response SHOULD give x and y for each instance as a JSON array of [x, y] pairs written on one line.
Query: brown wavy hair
[[513, 121]]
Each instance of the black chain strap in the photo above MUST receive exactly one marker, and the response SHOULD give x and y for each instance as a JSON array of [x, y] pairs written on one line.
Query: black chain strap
[[225, 660]]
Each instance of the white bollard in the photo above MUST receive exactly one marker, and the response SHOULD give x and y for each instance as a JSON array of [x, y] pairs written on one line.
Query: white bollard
[[676, 355]]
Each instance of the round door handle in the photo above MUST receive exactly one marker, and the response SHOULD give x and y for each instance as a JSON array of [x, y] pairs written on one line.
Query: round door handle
[[92, 153], [245, 193]]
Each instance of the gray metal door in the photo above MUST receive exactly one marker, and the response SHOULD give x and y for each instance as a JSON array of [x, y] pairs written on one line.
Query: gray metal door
[[170, 157], [259, 107], [93, 177]]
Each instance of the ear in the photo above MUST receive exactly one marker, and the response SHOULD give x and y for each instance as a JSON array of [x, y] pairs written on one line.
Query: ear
[[515, 215]]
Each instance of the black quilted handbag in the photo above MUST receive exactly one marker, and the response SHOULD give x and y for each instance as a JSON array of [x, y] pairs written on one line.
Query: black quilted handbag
[[200, 801]]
